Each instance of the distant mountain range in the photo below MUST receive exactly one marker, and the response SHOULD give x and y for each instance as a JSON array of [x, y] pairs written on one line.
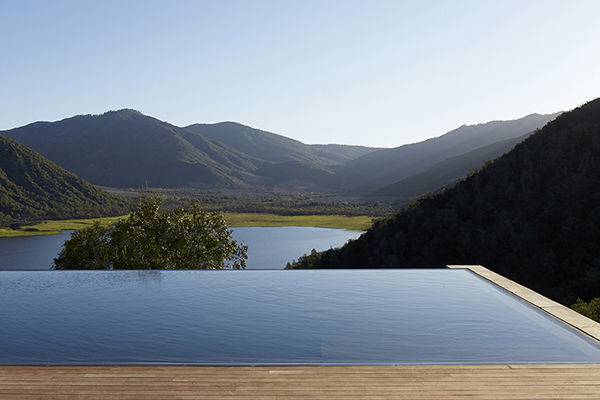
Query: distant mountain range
[[128, 149], [33, 188], [448, 172], [376, 170]]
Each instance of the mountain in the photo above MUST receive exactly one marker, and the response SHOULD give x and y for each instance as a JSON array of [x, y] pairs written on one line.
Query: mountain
[[448, 172], [33, 188], [276, 148], [384, 167], [533, 216], [297, 176], [125, 148], [128, 149]]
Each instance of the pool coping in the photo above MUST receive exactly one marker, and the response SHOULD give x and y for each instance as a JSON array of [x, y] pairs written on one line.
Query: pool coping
[[557, 310]]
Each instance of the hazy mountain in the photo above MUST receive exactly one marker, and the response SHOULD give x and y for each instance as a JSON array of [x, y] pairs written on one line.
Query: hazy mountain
[[533, 216], [448, 172], [128, 149], [383, 167], [33, 188], [276, 148], [298, 176]]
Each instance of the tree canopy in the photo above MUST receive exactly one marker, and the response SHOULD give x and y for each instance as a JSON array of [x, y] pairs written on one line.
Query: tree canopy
[[151, 238]]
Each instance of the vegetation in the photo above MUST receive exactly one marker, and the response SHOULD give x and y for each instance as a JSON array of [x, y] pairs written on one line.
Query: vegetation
[[154, 239], [282, 204], [590, 310], [33, 188], [533, 216], [267, 209], [359, 223], [51, 227]]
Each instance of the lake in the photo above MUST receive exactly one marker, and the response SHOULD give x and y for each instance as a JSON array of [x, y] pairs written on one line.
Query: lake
[[268, 248]]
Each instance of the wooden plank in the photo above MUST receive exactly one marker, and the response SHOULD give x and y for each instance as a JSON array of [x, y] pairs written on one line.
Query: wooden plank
[[321, 382]]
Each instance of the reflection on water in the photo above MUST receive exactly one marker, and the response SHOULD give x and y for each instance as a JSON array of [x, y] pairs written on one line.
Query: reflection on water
[[275, 317], [268, 248]]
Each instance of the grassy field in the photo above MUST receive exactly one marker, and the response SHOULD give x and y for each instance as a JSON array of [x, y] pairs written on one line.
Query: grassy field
[[325, 221], [51, 227], [233, 220]]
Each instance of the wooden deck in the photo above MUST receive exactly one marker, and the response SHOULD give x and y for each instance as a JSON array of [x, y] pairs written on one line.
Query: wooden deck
[[326, 382]]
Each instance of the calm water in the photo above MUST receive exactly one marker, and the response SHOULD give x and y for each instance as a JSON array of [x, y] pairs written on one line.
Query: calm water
[[274, 317], [268, 248]]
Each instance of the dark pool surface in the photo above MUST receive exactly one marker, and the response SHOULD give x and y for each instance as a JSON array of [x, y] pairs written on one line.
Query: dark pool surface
[[275, 317]]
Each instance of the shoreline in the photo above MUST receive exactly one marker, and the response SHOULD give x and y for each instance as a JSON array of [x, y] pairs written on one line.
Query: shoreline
[[234, 220]]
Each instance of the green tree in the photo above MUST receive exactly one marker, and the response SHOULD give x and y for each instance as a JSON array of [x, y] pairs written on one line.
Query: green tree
[[151, 238], [88, 248], [590, 310]]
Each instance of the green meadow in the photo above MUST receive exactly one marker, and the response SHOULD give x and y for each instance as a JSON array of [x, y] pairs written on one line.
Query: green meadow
[[360, 223], [50, 227]]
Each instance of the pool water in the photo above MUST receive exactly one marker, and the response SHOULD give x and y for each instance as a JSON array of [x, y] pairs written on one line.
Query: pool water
[[360, 317]]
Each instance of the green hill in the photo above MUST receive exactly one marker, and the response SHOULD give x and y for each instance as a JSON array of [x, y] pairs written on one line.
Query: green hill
[[533, 216], [33, 188]]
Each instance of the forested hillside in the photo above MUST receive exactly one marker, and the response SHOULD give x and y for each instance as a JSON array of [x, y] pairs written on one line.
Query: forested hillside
[[33, 188], [533, 216]]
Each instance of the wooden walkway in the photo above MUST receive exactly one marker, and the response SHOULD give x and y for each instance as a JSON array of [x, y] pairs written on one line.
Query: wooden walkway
[[327, 382]]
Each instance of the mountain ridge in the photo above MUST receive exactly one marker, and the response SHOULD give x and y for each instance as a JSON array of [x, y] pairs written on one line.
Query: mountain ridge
[[110, 150], [387, 166], [126, 148], [447, 172], [276, 148]]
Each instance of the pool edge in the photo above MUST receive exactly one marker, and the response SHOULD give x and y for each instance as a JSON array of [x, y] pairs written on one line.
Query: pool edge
[[557, 310]]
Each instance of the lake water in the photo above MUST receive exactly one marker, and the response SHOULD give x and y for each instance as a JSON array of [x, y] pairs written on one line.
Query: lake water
[[378, 317], [268, 248]]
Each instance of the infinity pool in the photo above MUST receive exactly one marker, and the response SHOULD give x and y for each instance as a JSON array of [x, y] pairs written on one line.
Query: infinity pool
[[360, 317]]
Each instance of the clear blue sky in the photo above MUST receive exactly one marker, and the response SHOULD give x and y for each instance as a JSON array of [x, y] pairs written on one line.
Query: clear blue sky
[[376, 73]]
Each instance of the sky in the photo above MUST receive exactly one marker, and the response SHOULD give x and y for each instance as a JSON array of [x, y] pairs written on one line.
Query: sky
[[376, 73]]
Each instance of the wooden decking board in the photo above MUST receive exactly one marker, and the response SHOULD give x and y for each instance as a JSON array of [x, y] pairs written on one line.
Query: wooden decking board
[[321, 382]]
